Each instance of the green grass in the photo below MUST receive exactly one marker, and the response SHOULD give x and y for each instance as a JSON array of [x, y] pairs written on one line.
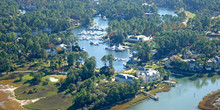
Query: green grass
[[218, 16], [189, 14], [41, 91], [27, 77], [54, 102], [154, 66], [57, 76]]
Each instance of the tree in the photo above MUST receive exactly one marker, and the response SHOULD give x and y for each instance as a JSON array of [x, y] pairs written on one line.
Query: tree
[[20, 76], [70, 59], [72, 87], [104, 59], [107, 70]]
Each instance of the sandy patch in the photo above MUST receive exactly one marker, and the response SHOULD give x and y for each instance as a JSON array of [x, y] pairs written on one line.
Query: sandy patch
[[8, 89]]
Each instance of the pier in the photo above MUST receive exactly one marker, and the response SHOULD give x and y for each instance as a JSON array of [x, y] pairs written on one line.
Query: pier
[[154, 97]]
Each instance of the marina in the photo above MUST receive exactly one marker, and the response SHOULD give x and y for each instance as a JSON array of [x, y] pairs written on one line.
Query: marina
[[95, 46]]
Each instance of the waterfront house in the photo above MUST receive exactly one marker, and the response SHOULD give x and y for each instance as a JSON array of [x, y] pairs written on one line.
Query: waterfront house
[[217, 59], [132, 62], [208, 66], [139, 38], [66, 48], [74, 22], [172, 58], [51, 51], [126, 78], [148, 75]]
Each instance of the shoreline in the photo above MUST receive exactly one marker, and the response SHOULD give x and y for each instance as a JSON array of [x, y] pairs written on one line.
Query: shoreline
[[138, 100], [209, 101], [9, 90]]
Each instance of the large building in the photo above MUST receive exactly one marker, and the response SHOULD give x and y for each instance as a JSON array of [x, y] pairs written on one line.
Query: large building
[[139, 38], [148, 75], [125, 78]]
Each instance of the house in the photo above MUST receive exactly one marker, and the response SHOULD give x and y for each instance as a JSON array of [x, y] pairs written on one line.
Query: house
[[132, 62], [148, 75], [192, 65], [74, 22], [66, 48], [47, 30], [31, 8], [125, 78], [51, 51], [139, 38], [208, 66], [172, 58], [187, 54], [217, 59]]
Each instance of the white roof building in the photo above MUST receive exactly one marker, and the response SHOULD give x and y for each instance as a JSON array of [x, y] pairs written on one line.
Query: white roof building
[[148, 75], [139, 38], [125, 78]]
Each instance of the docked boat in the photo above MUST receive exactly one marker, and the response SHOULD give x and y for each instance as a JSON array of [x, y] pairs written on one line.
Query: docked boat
[[83, 48], [104, 17]]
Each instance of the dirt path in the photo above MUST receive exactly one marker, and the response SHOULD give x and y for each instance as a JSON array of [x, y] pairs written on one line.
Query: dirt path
[[8, 89]]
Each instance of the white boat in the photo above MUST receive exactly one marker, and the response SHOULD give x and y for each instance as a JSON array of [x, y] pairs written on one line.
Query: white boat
[[104, 17], [83, 48], [119, 49]]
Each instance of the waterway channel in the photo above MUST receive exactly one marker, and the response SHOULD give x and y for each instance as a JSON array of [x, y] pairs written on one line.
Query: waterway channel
[[99, 50], [185, 96]]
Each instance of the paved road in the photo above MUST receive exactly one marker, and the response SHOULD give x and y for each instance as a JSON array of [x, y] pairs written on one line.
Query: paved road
[[28, 71]]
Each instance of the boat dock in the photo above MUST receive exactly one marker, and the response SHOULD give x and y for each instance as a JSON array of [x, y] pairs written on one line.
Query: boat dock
[[170, 83], [154, 97]]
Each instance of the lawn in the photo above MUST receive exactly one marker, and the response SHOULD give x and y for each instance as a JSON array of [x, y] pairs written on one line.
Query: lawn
[[55, 102], [38, 91], [154, 66], [189, 14]]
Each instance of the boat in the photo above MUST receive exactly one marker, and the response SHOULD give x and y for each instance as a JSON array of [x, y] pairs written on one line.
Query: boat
[[110, 48], [119, 49], [91, 43], [104, 17], [83, 48]]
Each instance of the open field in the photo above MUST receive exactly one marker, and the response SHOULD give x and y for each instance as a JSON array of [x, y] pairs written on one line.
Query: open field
[[58, 101]]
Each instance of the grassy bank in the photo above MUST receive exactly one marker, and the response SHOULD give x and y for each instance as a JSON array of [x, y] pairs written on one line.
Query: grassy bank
[[140, 97], [190, 15], [136, 100], [161, 88], [209, 100]]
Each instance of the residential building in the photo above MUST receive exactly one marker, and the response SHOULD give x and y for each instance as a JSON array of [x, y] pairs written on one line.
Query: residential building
[[139, 38], [208, 66], [172, 58], [217, 58], [132, 62], [125, 78], [148, 75], [66, 48]]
